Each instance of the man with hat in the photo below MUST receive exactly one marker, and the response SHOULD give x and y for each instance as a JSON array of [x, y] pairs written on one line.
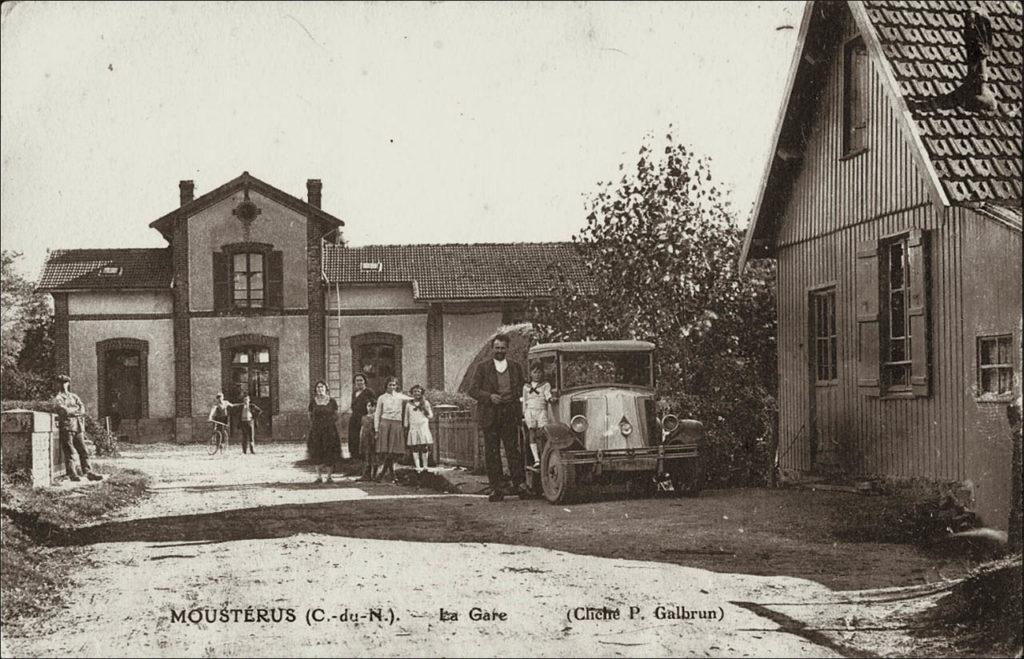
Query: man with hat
[[71, 419]]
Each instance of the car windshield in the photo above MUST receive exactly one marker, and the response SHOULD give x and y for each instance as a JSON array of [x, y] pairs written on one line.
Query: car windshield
[[580, 369]]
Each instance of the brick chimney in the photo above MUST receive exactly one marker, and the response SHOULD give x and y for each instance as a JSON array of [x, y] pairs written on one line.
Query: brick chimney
[[187, 190], [314, 190]]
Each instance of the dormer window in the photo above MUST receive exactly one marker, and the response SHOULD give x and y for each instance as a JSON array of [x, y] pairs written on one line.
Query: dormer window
[[371, 266], [855, 97], [110, 271]]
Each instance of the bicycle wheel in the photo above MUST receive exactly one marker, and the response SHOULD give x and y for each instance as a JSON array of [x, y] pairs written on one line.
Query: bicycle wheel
[[215, 442]]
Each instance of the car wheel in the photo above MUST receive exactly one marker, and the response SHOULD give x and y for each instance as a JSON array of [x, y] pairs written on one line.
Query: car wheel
[[687, 476], [557, 478]]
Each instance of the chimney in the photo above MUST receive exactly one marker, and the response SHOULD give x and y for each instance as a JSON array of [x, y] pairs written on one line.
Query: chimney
[[187, 190], [314, 188]]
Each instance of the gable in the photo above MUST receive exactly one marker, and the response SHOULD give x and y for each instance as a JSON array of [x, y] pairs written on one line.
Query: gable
[[827, 189], [246, 181], [982, 171]]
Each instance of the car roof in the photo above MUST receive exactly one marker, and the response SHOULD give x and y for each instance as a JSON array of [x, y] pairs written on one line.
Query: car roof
[[592, 346]]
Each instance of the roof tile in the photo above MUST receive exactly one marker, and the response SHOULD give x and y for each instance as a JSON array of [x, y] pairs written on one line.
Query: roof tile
[[74, 269], [459, 271]]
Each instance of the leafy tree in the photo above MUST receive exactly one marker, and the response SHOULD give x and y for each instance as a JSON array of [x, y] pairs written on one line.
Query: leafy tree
[[661, 250], [27, 328]]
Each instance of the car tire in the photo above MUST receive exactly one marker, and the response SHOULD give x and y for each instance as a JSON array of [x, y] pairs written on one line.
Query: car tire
[[687, 476], [557, 478]]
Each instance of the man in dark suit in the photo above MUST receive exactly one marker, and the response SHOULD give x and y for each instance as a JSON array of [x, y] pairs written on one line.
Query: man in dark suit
[[496, 387]]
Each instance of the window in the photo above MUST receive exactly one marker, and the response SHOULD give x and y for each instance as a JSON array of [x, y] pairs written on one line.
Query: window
[[995, 366], [896, 339], [110, 271], [248, 278], [855, 97], [823, 308], [247, 274], [892, 312]]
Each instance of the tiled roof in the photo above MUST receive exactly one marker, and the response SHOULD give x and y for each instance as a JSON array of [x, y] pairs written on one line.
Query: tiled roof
[[73, 269], [457, 271], [976, 153]]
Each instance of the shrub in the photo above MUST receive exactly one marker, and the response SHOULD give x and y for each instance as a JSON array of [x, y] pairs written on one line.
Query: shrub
[[105, 442], [458, 399]]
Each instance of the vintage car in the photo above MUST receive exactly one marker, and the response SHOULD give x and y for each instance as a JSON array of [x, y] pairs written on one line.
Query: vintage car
[[604, 424]]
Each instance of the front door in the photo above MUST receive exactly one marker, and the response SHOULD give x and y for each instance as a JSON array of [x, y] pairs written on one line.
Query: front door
[[824, 382], [250, 374], [123, 386]]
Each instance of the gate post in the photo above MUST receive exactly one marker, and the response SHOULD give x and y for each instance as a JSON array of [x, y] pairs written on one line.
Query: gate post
[[29, 442]]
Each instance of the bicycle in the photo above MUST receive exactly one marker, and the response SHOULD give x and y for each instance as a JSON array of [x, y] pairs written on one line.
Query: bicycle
[[219, 438]]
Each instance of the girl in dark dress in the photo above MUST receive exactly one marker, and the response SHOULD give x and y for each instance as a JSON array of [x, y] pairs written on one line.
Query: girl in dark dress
[[324, 443], [361, 395]]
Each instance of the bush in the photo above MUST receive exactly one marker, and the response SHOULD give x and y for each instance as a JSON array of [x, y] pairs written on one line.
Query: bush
[[105, 442], [25, 385], [458, 399]]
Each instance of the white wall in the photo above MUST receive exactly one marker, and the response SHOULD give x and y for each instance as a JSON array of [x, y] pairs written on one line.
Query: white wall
[[373, 297], [83, 336], [411, 327], [119, 302], [464, 335], [215, 226], [292, 333]]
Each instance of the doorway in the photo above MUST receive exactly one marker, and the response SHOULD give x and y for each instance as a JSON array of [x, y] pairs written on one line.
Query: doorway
[[250, 374]]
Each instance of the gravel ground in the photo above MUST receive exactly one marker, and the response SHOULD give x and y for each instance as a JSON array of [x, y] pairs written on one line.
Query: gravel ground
[[229, 532]]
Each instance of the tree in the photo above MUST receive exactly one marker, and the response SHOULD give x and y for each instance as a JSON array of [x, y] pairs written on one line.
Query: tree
[[27, 327], [661, 250]]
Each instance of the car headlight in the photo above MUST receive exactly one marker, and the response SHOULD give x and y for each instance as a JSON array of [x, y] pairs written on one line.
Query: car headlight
[[579, 424], [669, 423], [625, 427]]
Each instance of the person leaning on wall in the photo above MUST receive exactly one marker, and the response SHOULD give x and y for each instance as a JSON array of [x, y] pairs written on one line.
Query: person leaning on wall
[[71, 423]]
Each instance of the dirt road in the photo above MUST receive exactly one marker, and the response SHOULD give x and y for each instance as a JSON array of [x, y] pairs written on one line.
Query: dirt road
[[242, 555]]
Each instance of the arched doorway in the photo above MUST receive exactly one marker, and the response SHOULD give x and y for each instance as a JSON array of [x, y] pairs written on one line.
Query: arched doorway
[[378, 356], [122, 372], [249, 366]]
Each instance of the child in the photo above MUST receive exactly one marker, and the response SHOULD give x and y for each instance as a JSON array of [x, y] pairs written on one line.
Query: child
[[368, 441], [248, 415], [536, 396], [219, 414], [418, 414]]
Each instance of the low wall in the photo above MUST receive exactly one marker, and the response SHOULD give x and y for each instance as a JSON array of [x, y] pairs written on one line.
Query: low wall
[[29, 442]]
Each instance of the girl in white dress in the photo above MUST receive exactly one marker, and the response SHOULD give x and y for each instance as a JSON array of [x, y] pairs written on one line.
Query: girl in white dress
[[418, 414]]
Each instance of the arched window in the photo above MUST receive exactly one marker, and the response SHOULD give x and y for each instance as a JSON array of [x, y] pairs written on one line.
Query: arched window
[[378, 356]]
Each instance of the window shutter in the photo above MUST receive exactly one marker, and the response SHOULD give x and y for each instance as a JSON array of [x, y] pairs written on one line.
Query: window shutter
[[221, 281], [867, 317], [917, 309], [275, 280]]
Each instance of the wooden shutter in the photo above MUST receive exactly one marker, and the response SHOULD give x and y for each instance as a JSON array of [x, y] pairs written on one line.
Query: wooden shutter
[[275, 279], [917, 309], [867, 317], [221, 281]]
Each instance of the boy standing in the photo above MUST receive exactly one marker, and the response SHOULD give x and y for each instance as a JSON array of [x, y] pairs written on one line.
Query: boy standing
[[247, 415]]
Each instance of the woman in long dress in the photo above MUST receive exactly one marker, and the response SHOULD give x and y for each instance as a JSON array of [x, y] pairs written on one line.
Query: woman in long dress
[[361, 395], [324, 443]]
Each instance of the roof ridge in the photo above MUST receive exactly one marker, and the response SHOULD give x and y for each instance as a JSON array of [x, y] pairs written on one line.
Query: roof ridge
[[485, 244]]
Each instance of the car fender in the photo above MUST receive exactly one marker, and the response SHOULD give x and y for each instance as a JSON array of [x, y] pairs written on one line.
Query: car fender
[[561, 435], [689, 431]]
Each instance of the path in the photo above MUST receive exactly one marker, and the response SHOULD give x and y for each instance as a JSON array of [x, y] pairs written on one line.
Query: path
[[126, 603]]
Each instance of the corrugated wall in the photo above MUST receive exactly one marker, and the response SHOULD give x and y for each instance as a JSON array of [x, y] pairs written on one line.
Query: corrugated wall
[[834, 204]]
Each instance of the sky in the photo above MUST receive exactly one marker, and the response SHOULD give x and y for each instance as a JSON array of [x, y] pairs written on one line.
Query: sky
[[426, 122]]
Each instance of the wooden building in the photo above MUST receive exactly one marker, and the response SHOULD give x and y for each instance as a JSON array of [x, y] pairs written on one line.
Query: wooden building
[[255, 294], [892, 205]]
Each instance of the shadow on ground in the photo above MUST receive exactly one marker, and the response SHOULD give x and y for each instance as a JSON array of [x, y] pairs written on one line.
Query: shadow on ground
[[761, 532]]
